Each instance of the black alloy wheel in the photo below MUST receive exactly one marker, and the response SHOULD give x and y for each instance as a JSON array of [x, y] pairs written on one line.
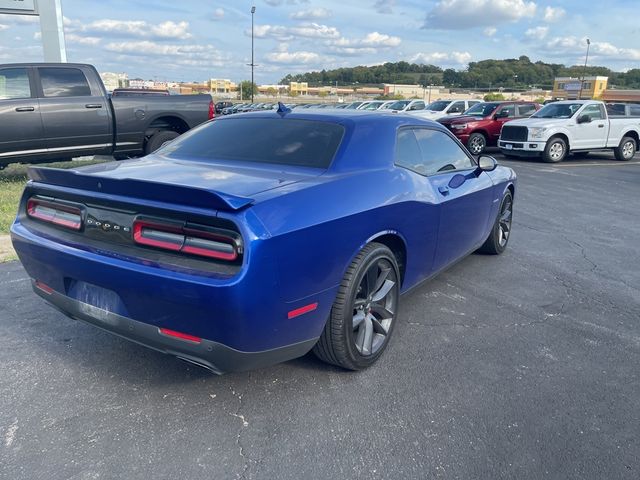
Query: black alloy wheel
[[498, 238]]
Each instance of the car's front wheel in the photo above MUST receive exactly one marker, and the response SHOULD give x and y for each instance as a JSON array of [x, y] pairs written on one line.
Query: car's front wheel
[[496, 242], [555, 151], [364, 313]]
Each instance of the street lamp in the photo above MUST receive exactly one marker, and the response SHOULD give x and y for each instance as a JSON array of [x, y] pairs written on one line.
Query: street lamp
[[253, 10], [584, 70]]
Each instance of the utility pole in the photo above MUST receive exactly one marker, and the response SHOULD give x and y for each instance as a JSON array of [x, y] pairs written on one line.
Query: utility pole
[[253, 10], [584, 70]]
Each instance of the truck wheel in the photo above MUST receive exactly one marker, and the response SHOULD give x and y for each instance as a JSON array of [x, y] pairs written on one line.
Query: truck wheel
[[476, 143], [555, 151], [626, 150], [158, 139], [365, 310]]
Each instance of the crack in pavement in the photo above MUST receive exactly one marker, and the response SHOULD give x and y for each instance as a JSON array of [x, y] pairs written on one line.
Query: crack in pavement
[[239, 444]]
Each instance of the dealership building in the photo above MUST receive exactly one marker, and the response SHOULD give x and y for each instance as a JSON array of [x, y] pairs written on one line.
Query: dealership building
[[569, 88]]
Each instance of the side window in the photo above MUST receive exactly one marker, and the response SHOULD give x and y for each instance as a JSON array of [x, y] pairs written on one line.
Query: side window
[[526, 110], [64, 82], [634, 110], [408, 152], [456, 107], [507, 111], [417, 106], [471, 103], [616, 109], [14, 83], [593, 111]]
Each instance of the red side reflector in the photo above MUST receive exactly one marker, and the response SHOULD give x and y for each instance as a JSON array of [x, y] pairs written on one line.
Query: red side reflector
[[180, 335], [302, 310], [44, 287]]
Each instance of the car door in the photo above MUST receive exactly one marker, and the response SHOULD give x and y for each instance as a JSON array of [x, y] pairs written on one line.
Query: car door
[[19, 113], [464, 196], [75, 113], [503, 114], [591, 134]]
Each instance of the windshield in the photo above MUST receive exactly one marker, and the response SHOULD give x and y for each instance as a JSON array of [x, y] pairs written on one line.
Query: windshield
[[399, 105], [557, 110], [482, 109], [438, 106], [283, 141]]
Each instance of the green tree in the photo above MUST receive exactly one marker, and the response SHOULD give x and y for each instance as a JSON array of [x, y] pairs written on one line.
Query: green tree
[[247, 88], [493, 97]]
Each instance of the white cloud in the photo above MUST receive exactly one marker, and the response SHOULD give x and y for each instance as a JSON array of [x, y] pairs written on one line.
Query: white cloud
[[132, 28], [464, 14], [370, 44], [458, 58], [73, 38], [293, 57], [552, 14], [277, 3], [3, 27], [537, 33], [490, 31], [191, 55], [311, 14], [310, 30], [384, 6], [218, 14], [572, 45]]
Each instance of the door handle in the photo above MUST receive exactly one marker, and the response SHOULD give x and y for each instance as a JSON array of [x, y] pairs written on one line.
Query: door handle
[[444, 190], [93, 105], [25, 109], [601, 126]]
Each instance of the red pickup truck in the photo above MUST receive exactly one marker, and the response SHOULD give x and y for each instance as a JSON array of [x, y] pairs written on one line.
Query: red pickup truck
[[479, 127]]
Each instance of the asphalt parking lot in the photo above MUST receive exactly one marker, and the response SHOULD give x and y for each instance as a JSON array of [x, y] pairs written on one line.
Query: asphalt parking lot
[[520, 366]]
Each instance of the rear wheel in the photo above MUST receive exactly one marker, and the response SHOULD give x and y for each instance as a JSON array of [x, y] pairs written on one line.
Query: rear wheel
[[476, 143], [496, 242], [626, 150], [555, 151], [364, 312], [158, 139]]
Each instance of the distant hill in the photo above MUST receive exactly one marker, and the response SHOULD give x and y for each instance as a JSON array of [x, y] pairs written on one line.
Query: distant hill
[[517, 73]]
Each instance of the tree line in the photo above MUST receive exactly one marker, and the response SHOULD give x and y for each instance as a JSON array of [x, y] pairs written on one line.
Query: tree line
[[515, 73]]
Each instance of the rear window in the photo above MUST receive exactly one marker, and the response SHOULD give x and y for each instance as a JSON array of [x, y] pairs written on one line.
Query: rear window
[[64, 82], [283, 141]]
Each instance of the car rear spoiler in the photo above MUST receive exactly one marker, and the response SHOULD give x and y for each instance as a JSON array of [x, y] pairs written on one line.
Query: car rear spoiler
[[143, 189]]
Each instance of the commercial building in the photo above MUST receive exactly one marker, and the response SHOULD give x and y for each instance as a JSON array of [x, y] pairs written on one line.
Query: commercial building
[[569, 88], [298, 88], [221, 85]]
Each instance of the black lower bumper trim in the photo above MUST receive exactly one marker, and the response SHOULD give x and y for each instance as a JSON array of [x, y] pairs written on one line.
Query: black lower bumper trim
[[213, 356]]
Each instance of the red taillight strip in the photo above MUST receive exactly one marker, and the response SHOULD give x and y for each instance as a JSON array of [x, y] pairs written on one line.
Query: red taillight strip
[[63, 215], [302, 310], [138, 235], [180, 335], [44, 287]]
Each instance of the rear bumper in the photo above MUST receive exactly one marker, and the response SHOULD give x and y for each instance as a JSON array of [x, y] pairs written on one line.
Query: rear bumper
[[213, 356]]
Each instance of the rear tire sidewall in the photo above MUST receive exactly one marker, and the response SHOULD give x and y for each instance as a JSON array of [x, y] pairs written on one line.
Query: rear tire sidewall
[[546, 156], [158, 139], [359, 360], [619, 151]]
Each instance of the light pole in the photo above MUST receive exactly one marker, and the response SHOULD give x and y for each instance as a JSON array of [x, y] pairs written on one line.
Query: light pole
[[253, 10], [584, 70]]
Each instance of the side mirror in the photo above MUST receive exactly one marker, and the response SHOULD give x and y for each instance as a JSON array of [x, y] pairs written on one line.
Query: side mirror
[[487, 163], [584, 119]]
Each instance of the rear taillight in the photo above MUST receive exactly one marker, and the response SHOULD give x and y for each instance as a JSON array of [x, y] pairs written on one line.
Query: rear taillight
[[188, 238], [55, 213], [212, 110]]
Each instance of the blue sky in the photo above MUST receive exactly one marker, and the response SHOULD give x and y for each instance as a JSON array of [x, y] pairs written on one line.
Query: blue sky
[[196, 40]]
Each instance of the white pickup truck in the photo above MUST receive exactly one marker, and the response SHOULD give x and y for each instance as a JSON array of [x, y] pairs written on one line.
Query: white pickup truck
[[574, 126]]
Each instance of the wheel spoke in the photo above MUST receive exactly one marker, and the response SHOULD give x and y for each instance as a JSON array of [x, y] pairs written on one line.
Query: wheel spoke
[[383, 291], [359, 302], [506, 216], [372, 277], [364, 341], [378, 327], [384, 273], [382, 311], [358, 318]]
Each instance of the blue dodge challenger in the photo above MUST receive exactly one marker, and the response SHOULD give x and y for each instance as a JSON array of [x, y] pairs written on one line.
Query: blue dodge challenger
[[256, 238]]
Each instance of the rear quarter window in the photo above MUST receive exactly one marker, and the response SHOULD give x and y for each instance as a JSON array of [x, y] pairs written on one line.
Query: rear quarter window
[[285, 141]]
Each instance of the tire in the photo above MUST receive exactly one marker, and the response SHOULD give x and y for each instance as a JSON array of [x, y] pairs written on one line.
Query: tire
[[626, 150], [555, 151], [356, 348], [498, 238], [158, 139], [476, 143]]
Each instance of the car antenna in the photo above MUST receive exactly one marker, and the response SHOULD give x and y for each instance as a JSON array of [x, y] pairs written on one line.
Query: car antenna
[[283, 109]]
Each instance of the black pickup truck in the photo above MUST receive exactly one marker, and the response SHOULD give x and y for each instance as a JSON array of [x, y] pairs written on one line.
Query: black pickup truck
[[52, 111]]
